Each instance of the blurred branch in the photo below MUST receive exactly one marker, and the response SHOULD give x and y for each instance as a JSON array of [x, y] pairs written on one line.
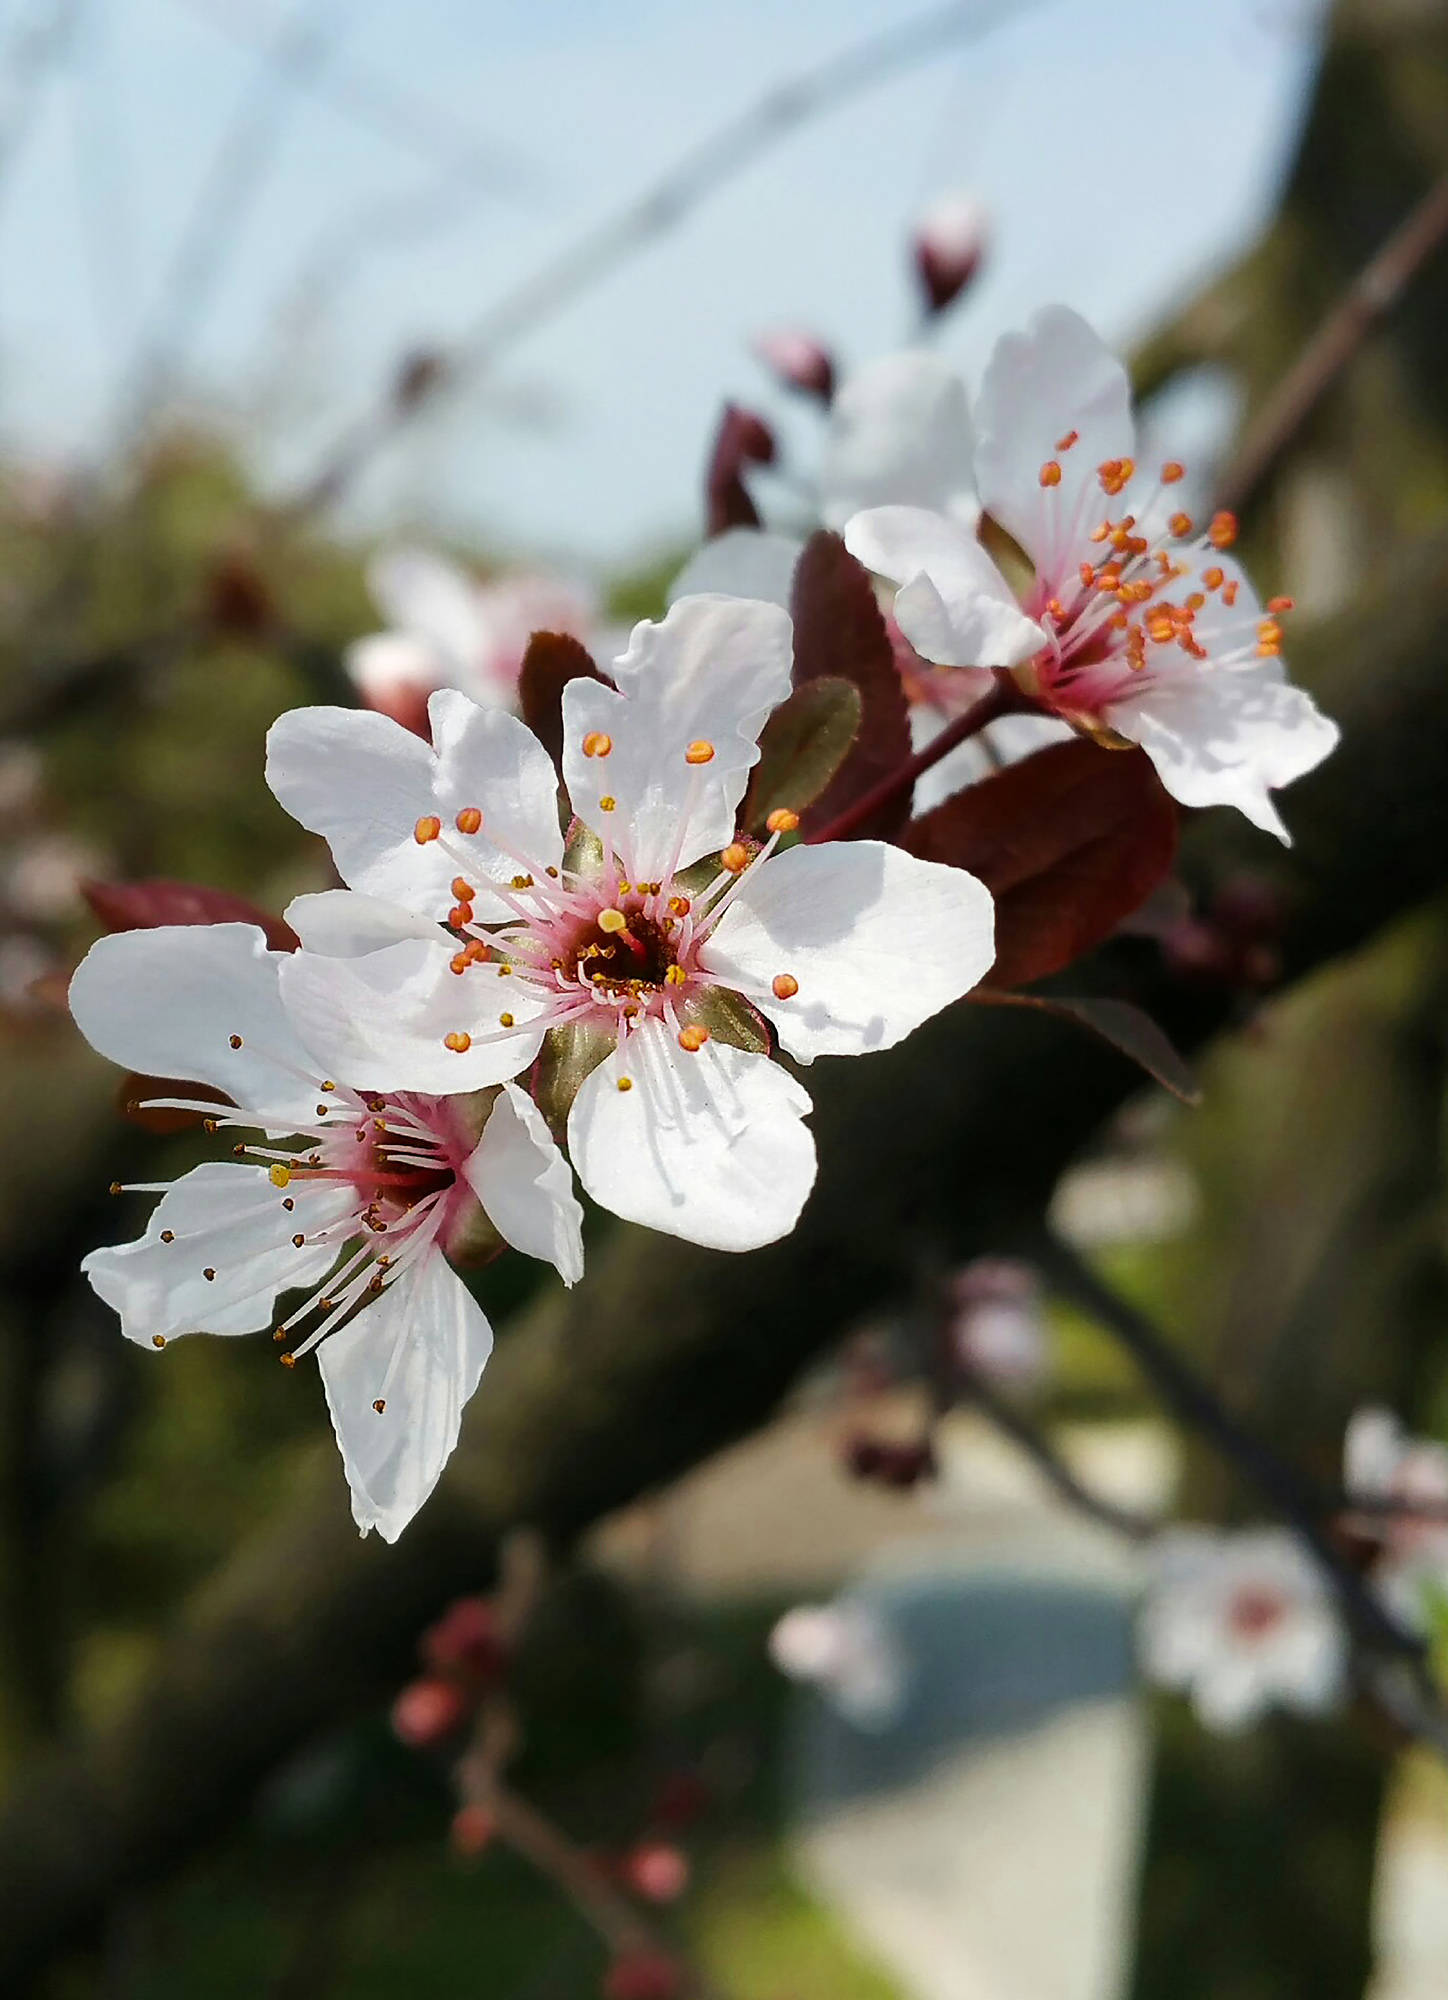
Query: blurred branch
[[1371, 296], [1062, 1479], [719, 158], [670, 1352], [40, 43]]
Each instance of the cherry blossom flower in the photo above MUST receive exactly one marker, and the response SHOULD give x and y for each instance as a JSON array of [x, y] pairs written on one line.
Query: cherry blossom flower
[[998, 1323], [948, 246], [847, 1651], [353, 1197], [1243, 1623], [643, 958], [1381, 1463], [1137, 625], [446, 629]]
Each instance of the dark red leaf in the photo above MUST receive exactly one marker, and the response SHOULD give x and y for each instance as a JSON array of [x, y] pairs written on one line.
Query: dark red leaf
[[1069, 842], [141, 906], [1116, 1021], [840, 631], [552, 660]]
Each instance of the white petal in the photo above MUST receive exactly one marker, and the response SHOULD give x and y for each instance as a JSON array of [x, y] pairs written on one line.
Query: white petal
[[225, 1218], [1220, 737], [1040, 385], [899, 431], [953, 604], [167, 1002], [343, 923], [363, 782], [385, 662], [422, 1345], [877, 939], [710, 672], [380, 1020], [708, 1146], [525, 1187], [742, 562], [422, 595]]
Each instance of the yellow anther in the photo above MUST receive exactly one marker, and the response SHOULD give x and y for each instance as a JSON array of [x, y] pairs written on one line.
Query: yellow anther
[[613, 921], [784, 986], [782, 820], [287, 1360], [596, 744], [158, 1340], [505, 1020], [280, 1175], [607, 803], [675, 976], [700, 751], [428, 828], [457, 1041], [625, 1083]]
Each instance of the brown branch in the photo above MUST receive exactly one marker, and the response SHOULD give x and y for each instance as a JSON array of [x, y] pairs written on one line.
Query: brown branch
[[668, 1352], [1371, 296]]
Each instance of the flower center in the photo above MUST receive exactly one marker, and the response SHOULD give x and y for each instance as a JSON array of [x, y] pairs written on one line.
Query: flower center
[[1255, 1611], [625, 953]]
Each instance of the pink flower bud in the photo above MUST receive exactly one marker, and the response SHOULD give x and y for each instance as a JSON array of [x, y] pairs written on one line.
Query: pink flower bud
[[743, 438], [949, 244], [466, 1641], [643, 1975], [428, 1712], [797, 360], [472, 1829], [657, 1872]]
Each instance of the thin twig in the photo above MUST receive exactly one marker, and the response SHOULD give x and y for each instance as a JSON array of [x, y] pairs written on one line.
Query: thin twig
[[720, 157], [1371, 296], [1061, 1478]]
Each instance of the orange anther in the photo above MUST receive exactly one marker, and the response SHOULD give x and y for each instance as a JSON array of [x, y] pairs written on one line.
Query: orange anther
[[596, 744], [1050, 473], [287, 1360], [680, 906], [784, 986], [1088, 574], [469, 820], [1181, 524], [457, 1041], [735, 857], [463, 889], [476, 951], [427, 828], [460, 963], [459, 915], [1229, 593], [782, 820], [1195, 601], [1270, 632], [700, 751], [1065, 443], [1172, 471], [1214, 578], [1280, 604], [693, 1039], [1223, 531]]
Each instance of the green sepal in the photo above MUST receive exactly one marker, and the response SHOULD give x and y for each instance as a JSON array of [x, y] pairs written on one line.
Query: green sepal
[[801, 747]]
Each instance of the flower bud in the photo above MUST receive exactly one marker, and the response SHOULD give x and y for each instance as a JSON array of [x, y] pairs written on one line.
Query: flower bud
[[472, 1829], [467, 1641], [743, 438], [643, 1975], [657, 1872], [797, 361], [428, 1713], [948, 246]]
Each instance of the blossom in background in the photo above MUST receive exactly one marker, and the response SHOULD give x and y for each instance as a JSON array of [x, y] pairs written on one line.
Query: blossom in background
[[998, 1323], [847, 1651], [446, 629], [1242, 1623], [797, 360], [1381, 1463], [353, 1196], [948, 246], [1136, 625], [644, 952]]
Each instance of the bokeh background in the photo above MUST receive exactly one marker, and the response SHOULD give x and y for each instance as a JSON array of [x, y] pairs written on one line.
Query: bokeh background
[[270, 299]]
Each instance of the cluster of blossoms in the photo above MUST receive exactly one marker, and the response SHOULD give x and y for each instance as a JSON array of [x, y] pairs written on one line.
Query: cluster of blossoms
[[615, 969]]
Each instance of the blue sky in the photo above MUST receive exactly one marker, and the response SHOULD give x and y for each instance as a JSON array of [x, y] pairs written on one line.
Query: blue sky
[[1121, 151]]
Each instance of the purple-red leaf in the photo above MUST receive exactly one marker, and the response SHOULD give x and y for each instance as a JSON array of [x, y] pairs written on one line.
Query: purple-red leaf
[[552, 660], [840, 632], [743, 438], [1069, 842], [1116, 1021], [141, 906]]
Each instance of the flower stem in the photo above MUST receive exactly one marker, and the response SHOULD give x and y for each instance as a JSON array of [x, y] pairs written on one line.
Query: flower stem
[[1003, 699]]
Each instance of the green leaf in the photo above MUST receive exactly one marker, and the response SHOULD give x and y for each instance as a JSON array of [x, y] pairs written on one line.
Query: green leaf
[[803, 745]]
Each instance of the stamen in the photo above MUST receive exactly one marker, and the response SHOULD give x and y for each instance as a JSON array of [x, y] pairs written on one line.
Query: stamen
[[701, 751], [427, 828], [158, 1340], [1050, 474], [1065, 443], [235, 1041], [1172, 471], [693, 1039], [735, 857], [607, 803], [458, 1041], [625, 1083], [784, 986], [1223, 531], [280, 1175], [468, 820], [596, 744]]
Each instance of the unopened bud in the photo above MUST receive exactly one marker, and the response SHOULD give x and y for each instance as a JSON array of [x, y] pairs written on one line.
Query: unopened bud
[[657, 1872], [466, 1640], [643, 1975], [472, 1829], [743, 438], [797, 360], [428, 1713], [948, 246]]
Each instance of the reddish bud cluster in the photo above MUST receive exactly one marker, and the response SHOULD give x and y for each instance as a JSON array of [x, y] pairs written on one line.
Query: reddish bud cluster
[[473, 1828], [643, 1975], [656, 1871], [888, 1463], [465, 1656]]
